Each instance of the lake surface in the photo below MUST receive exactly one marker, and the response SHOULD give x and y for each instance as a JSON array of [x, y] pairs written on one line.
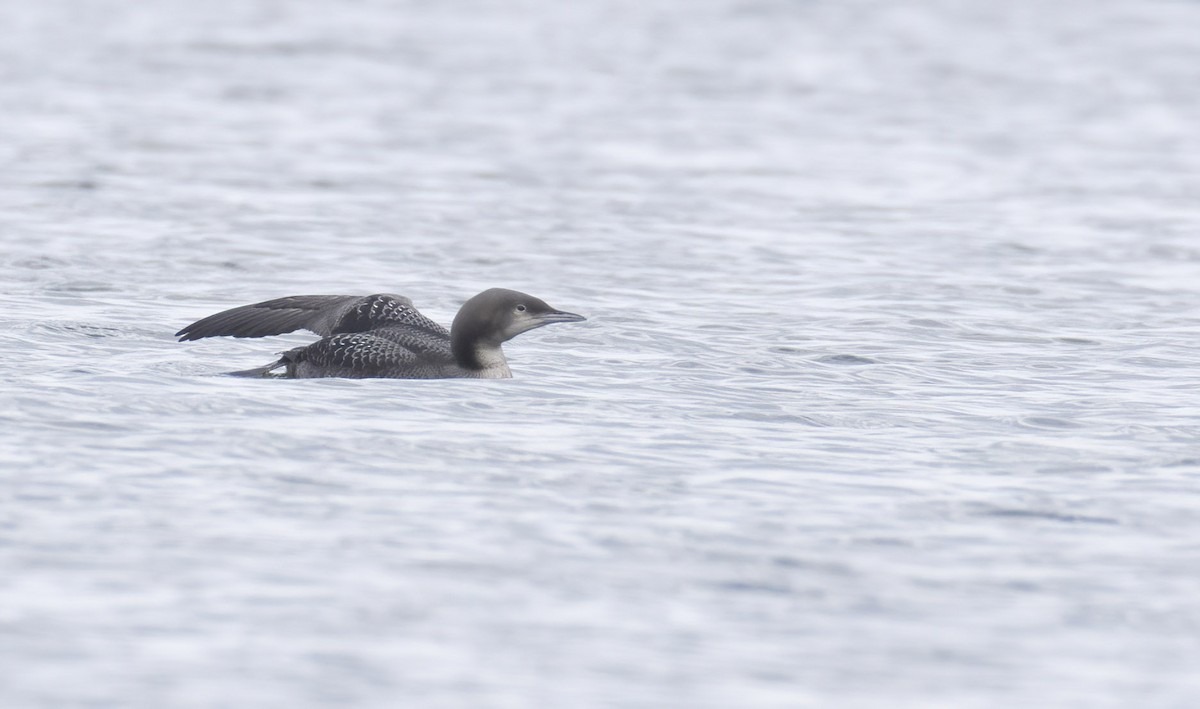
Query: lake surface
[[888, 394]]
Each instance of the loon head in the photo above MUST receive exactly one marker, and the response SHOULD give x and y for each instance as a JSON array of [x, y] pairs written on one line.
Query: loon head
[[496, 316]]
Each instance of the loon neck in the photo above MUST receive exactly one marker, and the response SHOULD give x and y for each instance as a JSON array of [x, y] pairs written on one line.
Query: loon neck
[[475, 353]]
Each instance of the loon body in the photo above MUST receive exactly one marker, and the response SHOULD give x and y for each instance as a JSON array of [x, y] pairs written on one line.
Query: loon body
[[383, 335]]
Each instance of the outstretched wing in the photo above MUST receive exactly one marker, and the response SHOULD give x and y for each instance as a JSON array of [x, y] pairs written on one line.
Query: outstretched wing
[[322, 314], [274, 317]]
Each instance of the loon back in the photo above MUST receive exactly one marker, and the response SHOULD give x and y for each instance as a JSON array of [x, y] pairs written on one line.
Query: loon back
[[385, 352]]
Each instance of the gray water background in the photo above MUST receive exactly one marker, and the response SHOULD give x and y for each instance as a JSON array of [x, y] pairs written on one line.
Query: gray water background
[[887, 395]]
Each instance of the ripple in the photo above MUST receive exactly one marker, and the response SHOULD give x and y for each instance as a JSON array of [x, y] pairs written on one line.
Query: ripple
[[846, 359], [1051, 516], [1046, 422]]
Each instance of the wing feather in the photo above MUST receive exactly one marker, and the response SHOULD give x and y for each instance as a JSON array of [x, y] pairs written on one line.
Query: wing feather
[[323, 314]]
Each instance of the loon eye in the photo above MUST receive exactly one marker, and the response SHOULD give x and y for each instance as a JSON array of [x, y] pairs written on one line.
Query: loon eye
[[520, 308]]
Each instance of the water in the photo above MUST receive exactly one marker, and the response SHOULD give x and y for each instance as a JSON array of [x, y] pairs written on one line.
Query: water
[[887, 395]]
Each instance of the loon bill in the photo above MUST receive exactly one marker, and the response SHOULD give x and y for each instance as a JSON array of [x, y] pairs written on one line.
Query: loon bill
[[383, 335]]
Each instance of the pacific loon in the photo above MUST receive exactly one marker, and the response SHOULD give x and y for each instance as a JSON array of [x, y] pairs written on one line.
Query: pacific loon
[[383, 335]]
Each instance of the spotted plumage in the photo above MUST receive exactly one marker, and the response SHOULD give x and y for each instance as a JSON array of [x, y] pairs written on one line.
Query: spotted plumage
[[383, 310]]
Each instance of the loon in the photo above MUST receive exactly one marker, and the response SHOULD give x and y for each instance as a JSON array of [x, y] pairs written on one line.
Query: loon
[[383, 335]]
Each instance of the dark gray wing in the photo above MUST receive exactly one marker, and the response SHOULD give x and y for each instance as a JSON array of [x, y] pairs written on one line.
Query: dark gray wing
[[273, 317], [393, 312], [322, 314]]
